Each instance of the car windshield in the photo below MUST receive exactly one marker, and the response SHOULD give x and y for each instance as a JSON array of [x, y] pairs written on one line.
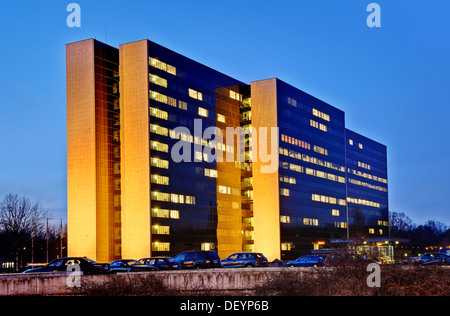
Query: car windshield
[[132, 262]]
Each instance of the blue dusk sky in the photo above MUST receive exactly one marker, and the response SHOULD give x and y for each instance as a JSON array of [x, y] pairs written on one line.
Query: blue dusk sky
[[392, 82]]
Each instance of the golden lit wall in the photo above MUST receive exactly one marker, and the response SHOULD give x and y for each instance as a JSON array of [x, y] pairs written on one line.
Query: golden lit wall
[[135, 150], [266, 204], [81, 154], [229, 226]]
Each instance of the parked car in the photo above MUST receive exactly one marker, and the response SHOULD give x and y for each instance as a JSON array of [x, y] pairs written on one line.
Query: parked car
[[87, 266], [345, 259], [431, 256], [306, 261], [161, 263], [198, 259], [129, 265], [445, 251], [245, 259], [440, 262]]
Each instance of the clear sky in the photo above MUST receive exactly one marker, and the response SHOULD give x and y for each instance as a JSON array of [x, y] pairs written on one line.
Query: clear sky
[[393, 82]]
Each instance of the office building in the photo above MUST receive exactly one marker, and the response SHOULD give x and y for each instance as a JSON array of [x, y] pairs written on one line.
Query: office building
[[145, 178]]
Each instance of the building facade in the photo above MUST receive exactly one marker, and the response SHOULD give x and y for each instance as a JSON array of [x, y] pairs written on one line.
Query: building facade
[[166, 155]]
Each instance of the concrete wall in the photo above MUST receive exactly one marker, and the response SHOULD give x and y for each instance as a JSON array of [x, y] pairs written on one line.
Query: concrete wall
[[227, 280]]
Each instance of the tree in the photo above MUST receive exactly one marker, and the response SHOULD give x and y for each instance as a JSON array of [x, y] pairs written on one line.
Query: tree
[[20, 222], [400, 224]]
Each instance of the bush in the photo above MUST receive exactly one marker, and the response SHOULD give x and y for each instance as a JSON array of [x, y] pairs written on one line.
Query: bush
[[352, 281]]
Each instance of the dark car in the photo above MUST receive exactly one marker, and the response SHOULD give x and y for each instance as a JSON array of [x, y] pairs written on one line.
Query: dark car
[[245, 259], [431, 256], [87, 266], [198, 259], [345, 259], [129, 265], [306, 261], [440, 262], [445, 251], [161, 263]]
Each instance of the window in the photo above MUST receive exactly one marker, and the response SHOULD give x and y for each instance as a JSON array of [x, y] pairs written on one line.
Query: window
[[159, 130], [182, 105], [285, 219], [155, 63], [160, 179], [320, 150], [160, 246], [159, 196], [360, 146], [310, 222], [160, 230], [221, 118], [202, 112], [224, 190], [159, 146], [284, 192], [371, 231], [286, 246], [235, 95], [195, 94], [335, 212], [210, 173], [159, 163], [324, 116], [350, 141], [159, 113], [158, 80]]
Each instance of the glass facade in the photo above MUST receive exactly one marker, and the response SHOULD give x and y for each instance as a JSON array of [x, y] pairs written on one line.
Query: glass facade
[[164, 188]]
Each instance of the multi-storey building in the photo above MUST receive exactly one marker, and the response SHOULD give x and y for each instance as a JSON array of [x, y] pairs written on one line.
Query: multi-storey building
[[145, 175]]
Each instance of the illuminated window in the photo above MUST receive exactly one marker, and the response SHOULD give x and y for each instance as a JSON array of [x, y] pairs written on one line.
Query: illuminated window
[[360, 146], [160, 246], [159, 163], [160, 196], [221, 118], [286, 246], [182, 105], [159, 130], [159, 146], [159, 113], [235, 96], [210, 173], [155, 63], [284, 192], [174, 214], [160, 230], [350, 141], [371, 231], [310, 222], [202, 112], [285, 219], [195, 94], [335, 212], [160, 179], [324, 116], [158, 80], [206, 246], [224, 190], [340, 224], [321, 150]]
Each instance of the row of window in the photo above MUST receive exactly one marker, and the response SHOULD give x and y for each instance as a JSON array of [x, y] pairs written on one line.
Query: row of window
[[165, 213], [363, 165], [322, 115], [367, 175], [172, 197], [313, 160], [305, 221], [367, 185], [363, 202], [327, 199], [312, 172], [295, 142]]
